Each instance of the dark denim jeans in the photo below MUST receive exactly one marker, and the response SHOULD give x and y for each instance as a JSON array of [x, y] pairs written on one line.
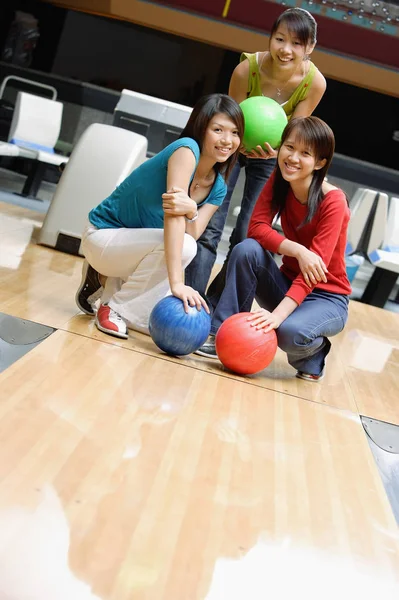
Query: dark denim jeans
[[197, 274], [253, 273]]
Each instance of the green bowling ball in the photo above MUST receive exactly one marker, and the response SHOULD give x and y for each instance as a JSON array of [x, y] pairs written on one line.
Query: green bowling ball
[[264, 122]]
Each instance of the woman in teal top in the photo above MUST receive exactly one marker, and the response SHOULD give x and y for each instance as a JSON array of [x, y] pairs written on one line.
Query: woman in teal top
[[140, 239], [285, 74], [136, 202]]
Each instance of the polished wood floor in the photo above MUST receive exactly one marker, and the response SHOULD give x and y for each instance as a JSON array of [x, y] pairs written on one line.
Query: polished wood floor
[[127, 474]]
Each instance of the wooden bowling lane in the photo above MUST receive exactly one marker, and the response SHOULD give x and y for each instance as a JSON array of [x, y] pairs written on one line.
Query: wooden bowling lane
[[15, 217], [39, 284], [36, 283], [369, 349], [159, 473], [334, 390], [362, 373]]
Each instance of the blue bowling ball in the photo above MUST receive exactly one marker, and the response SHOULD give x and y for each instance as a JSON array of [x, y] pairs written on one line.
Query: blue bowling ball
[[176, 332]]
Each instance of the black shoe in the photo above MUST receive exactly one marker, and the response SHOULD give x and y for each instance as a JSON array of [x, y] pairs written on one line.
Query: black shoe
[[309, 377], [90, 289], [208, 349]]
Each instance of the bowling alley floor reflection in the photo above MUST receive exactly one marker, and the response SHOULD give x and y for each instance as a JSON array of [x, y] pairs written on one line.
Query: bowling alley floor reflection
[[166, 472]]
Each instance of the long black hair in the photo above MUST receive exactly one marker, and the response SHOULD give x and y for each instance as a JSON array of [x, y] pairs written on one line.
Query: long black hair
[[204, 110], [317, 136], [299, 22]]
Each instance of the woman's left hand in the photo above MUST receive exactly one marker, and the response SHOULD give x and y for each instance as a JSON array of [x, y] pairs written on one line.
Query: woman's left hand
[[259, 152], [176, 202], [265, 320], [189, 296]]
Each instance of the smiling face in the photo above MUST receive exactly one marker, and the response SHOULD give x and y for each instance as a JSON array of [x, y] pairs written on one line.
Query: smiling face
[[297, 160], [221, 138], [286, 49]]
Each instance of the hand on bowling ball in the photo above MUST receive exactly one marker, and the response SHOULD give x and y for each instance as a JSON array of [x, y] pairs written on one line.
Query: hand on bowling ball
[[259, 152], [312, 266], [177, 202], [263, 319], [189, 296]]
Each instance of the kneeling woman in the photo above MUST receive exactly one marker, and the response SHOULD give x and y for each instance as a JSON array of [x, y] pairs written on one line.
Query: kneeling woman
[[306, 300], [142, 237]]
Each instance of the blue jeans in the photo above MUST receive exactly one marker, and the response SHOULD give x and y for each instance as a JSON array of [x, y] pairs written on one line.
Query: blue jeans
[[197, 274], [253, 273]]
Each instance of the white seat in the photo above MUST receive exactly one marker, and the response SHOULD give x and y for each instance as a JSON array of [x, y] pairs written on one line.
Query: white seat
[[36, 126], [103, 157], [391, 240], [379, 224], [13, 150], [377, 250], [360, 206], [383, 252], [385, 260], [51, 158]]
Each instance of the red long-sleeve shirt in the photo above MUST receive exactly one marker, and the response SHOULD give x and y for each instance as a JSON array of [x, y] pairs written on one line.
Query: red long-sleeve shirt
[[325, 235]]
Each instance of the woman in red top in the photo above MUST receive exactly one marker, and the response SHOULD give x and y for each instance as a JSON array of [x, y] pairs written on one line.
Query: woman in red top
[[306, 300]]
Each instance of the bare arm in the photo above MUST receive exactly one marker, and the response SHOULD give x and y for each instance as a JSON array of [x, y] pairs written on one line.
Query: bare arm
[[307, 106], [174, 230], [238, 87], [197, 228], [181, 166], [180, 169], [177, 203]]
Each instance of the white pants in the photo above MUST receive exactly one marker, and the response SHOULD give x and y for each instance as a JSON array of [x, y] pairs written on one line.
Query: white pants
[[133, 260]]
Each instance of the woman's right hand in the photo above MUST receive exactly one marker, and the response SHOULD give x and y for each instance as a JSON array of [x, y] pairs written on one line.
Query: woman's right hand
[[189, 296], [177, 202], [260, 152], [312, 266]]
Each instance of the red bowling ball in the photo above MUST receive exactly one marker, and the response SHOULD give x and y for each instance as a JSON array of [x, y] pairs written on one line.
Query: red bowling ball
[[244, 349]]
